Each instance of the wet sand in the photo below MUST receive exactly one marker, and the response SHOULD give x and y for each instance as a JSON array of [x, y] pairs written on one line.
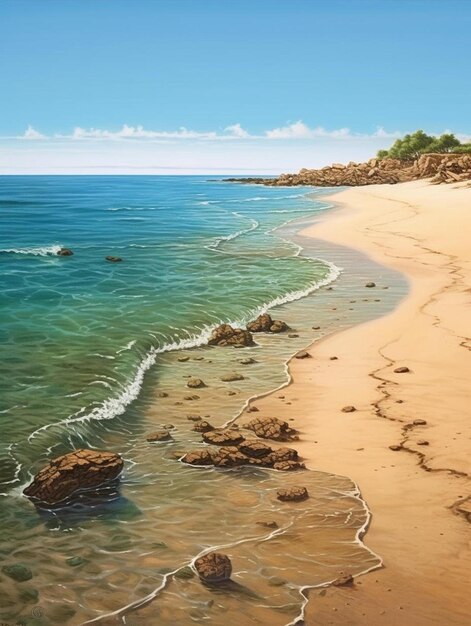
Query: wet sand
[[417, 494]]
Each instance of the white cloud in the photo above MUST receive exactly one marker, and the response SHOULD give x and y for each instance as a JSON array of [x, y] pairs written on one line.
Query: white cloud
[[31, 133], [296, 131], [237, 131]]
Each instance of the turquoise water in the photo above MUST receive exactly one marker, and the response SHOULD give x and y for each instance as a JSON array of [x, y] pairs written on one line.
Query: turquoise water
[[77, 333], [91, 357]]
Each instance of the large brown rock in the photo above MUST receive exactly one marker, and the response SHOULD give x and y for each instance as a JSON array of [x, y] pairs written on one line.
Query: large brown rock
[[79, 470], [198, 457], [228, 456], [271, 428], [214, 567], [223, 437], [255, 449], [226, 335]]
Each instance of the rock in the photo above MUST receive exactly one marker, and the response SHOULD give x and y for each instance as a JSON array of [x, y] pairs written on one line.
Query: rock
[[163, 394], [292, 336], [213, 567], [265, 324], [302, 355], [371, 284], [223, 437], [248, 361], [17, 572], [395, 448], [440, 167], [65, 252], [76, 471], [419, 422], [261, 324], [232, 377], [401, 370], [191, 397], [252, 409], [316, 328], [334, 358], [194, 418], [160, 435], [348, 409], [195, 383], [198, 457], [268, 524], [231, 393], [202, 426], [271, 428], [254, 449], [183, 359], [278, 327], [225, 335], [422, 442], [228, 456], [292, 494], [288, 466], [341, 581], [283, 454], [113, 259]]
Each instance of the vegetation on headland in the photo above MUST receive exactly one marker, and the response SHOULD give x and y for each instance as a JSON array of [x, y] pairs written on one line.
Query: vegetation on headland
[[411, 146]]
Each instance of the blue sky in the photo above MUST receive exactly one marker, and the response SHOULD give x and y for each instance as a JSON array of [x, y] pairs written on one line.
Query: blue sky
[[265, 85]]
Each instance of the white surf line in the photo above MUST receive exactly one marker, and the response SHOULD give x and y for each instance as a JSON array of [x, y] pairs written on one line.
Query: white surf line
[[34, 251], [147, 599]]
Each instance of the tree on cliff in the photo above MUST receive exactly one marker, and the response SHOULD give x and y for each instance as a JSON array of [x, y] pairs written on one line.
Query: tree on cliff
[[412, 146]]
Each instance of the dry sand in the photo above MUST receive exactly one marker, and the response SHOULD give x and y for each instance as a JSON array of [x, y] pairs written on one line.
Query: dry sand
[[414, 493]]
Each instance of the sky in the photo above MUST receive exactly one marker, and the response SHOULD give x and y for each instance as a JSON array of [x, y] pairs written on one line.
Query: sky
[[233, 86]]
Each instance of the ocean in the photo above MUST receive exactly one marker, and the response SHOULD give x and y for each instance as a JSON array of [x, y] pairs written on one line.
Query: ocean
[[89, 358]]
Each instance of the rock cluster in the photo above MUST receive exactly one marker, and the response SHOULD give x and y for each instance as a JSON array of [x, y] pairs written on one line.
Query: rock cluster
[[214, 567], [441, 168], [265, 324], [246, 452], [76, 471], [226, 335], [271, 428], [293, 494]]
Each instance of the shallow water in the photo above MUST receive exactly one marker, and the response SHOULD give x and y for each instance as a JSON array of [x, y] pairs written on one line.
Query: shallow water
[[166, 513]]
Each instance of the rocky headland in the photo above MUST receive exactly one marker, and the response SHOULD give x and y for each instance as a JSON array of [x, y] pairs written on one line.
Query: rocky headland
[[439, 168]]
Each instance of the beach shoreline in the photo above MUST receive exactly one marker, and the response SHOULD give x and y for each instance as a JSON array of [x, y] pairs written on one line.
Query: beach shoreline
[[419, 518]]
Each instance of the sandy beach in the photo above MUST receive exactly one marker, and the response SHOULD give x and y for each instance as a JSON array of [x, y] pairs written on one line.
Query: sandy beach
[[417, 493]]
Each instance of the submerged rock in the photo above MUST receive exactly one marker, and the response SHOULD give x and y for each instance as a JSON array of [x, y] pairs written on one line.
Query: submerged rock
[[370, 284], [195, 383], [232, 377], [271, 428], [247, 361], [293, 494], [17, 572], [226, 335], [79, 470], [160, 435], [113, 259], [214, 567]]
